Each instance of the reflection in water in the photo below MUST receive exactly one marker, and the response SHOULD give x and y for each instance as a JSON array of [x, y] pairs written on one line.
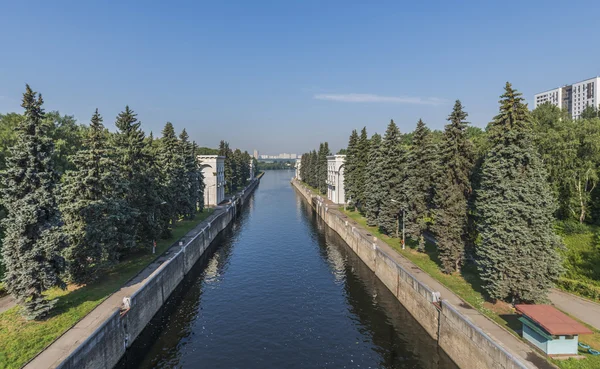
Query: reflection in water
[[283, 290]]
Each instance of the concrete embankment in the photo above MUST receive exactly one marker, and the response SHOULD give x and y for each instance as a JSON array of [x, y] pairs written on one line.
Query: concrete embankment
[[469, 338], [101, 338]]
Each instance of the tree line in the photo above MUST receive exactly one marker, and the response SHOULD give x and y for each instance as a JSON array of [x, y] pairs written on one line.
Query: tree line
[[77, 199], [313, 167], [489, 198]]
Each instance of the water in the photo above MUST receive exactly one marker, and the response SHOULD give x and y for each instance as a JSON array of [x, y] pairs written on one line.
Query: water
[[279, 289]]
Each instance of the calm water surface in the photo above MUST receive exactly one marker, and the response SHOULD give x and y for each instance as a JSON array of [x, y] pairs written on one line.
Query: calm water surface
[[279, 289]]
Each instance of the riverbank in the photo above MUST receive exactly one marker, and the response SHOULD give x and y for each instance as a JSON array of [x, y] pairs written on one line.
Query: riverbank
[[102, 336], [471, 339]]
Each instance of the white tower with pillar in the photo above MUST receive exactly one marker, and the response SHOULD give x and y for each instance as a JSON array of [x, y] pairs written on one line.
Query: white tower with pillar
[[213, 168]]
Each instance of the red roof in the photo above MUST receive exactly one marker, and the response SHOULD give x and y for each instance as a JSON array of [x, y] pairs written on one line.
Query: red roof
[[552, 320]]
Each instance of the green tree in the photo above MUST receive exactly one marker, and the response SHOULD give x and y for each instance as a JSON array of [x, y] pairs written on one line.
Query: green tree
[[350, 180], [517, 255], [393, 198], [422, 171], [452, 191], [33, 241], [138, 168], [362, 158], [67, 136], [173, 173], [226, 152], [322, 167], [373, 183], [97, 219], [190, 180]]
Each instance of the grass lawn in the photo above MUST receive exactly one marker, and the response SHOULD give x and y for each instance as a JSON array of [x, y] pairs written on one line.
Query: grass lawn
[[582, 259], [467, 285], [21, 340]]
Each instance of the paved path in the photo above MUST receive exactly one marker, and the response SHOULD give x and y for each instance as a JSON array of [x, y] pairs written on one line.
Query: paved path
[[6, 303], [582, 309], [516, 346]]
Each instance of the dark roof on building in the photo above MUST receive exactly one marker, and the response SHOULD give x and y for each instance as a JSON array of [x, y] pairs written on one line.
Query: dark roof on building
[[552, 320]]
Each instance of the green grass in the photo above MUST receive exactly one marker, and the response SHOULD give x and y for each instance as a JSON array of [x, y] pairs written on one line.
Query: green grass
[[467, 285], [21, 340], [582, 258]]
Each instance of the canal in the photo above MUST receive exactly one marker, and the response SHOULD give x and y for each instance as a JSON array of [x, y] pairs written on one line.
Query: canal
[[279, 289]]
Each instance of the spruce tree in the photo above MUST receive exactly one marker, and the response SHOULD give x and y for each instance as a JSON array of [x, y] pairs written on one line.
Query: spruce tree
[[518, 255], [393, 200], [350, 181], [322, 167], [199, 185], [362, 158], [225, 151], [133, 155], [189, 199], [33, 239], [372, 180], [97, 220], [173, 172], [314, 169], [421, 175], [452, 191]]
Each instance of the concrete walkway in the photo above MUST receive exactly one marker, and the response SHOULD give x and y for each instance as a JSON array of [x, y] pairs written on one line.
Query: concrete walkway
[[6, 303], [582, 309]]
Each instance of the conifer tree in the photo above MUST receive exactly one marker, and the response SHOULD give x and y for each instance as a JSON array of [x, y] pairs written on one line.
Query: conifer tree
[[372, 179], [314, 161], [33, 239], [362, 157], [189, 199], [173, 172], [199, 185], [136, 165], [518, 253], [225, 151], [453, 190], [350, 181], [97, 220], [322, 167], [421, 175], [393, 200]]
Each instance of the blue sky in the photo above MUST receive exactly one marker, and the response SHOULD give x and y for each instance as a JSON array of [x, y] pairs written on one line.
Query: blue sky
[[281, 76]]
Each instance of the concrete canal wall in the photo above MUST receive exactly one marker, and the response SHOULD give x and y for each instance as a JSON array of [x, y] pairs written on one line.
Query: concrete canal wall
[[104, 347], [466, 344]]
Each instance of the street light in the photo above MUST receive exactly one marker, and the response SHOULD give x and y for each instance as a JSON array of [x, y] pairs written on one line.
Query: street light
[[397, 225], [154, 241]]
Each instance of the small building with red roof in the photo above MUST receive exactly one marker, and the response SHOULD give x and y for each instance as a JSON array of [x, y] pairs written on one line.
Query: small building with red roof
[[550, 330]]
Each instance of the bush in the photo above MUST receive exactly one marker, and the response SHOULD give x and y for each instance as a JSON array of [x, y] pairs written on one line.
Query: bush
[[567, 227], [580, 288]]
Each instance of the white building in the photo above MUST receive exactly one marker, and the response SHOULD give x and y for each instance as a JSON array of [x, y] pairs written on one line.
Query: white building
[[251, 169], [298, 166], [572, 98], [213, 168], [256, 154], [335, 179]]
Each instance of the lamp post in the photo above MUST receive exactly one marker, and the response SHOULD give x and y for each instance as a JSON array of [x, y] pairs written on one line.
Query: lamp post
[[398, 225], [208, 193], [154, 241]]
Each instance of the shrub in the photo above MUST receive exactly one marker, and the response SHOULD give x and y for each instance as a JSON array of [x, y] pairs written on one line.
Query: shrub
[[567, 227], [580, 288]]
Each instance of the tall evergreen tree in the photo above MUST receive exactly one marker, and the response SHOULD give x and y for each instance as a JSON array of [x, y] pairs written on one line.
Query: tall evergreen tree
[[314, 169], [189, 200], [421, 175], [97, 219], [33, 239], [518, 256], [199, 185], [362, 158], [136, 165], [393, 200], [373, 183], [350, 180], [225, 151], [173, 172], [322, 167], [453, 190]]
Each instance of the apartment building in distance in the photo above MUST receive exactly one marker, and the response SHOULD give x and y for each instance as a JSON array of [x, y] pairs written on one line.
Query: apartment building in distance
[[572, 98]]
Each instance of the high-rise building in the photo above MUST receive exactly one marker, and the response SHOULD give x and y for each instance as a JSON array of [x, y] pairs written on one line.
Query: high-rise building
[[256, 154], [572, 98]]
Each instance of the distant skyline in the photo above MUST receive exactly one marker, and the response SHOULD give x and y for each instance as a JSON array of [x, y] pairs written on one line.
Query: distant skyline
[[283, 76]]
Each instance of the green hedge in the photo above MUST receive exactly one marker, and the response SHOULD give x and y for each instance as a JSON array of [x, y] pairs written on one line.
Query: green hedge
[[580, 288]]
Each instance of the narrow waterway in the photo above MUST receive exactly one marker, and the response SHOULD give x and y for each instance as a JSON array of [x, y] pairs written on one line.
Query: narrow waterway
[[279, 289]]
